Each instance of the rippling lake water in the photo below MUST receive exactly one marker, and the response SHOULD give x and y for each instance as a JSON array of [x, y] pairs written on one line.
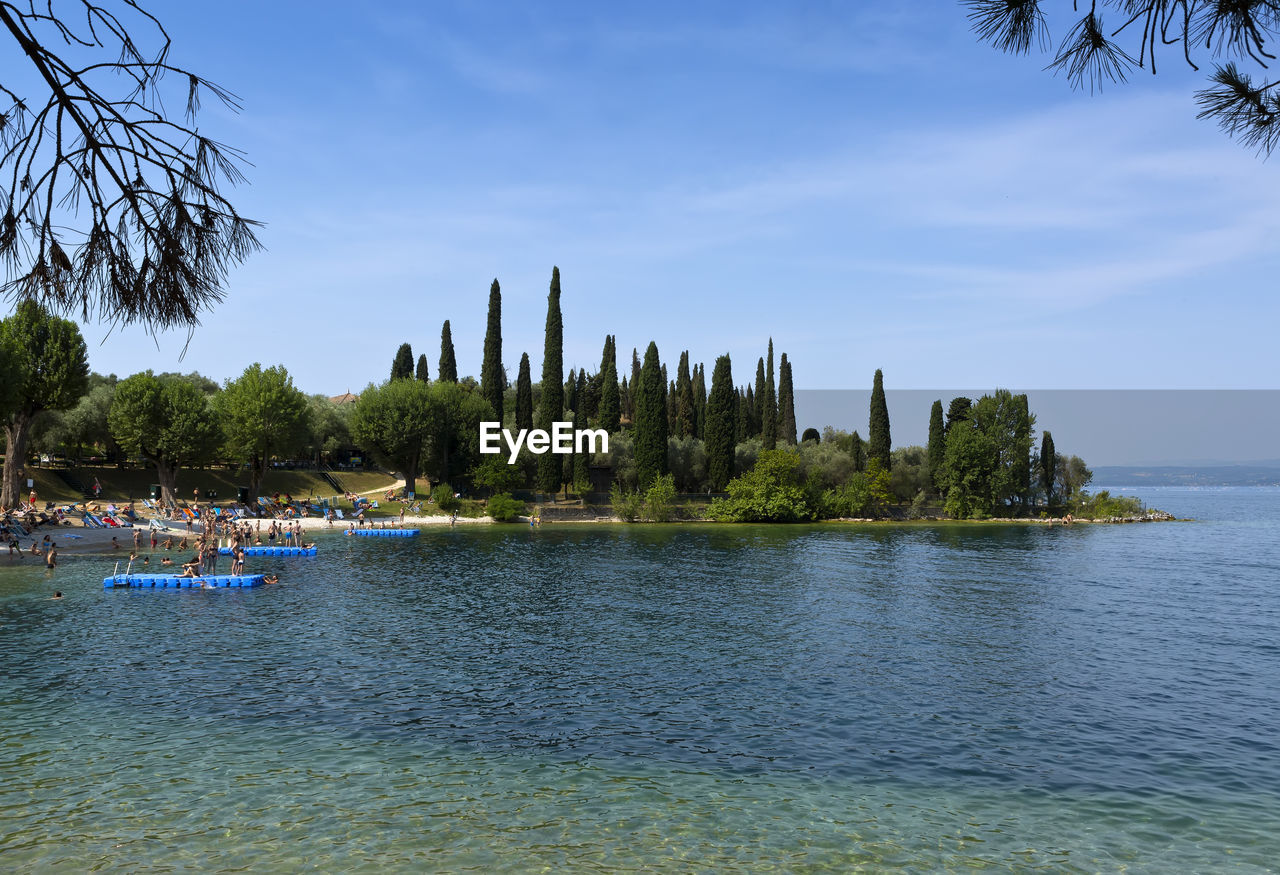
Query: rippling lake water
[[665, 698]]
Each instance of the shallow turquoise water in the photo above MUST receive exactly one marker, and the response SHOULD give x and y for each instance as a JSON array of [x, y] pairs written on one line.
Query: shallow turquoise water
[[665, 698]]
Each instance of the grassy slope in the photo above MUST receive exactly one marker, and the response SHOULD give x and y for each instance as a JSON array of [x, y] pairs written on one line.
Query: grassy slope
[[135, 483]]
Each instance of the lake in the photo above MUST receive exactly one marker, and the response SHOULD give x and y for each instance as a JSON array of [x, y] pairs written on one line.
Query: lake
[[665, 698]]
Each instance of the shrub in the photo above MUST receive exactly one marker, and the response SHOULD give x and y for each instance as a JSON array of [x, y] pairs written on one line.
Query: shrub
[[626, 503], [443, 497], [771, 492], [505, 509], [660, 500]]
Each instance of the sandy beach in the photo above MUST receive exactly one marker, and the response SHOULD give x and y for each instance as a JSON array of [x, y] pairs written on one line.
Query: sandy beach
[[76, 539]]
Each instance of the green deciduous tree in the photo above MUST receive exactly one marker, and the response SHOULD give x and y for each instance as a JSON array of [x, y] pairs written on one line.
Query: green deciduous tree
[[448, 369], [264, 414], [169, 422], [453, 439], [392, 422], [492, 378], [551, 407], [651, 420], [45, 367], [879, 444], [722, 412]]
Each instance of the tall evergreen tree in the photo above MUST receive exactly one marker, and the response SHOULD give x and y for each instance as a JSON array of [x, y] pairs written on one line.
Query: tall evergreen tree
[[746, 412], [448, 369], [1020, 451], [722, 415], [492, 378], [610, 399], [579, 473], [958, 411], [750, 423], [858, 450], [524, 395], [878, 442], [937, 449], [421, 372], [635, 369], [402, 365], [650, 443], [757, 410], [786, 403], [551, 408], [571, 391], [700, 400], [769, 426], [1048, 466], [626, 401], [686, 413]]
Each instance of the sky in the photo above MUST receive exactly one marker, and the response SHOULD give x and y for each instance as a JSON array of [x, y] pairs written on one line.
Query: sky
[[862, 182]]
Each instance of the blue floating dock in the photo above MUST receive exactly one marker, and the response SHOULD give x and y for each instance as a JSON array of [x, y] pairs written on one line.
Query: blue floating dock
[[271, 551], [177, 581], [384, 533]]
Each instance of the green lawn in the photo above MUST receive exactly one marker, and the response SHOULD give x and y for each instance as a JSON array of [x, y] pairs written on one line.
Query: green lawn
[[125, 484]]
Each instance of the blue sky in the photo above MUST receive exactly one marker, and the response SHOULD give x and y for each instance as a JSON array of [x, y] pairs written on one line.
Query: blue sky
[[862, 181]]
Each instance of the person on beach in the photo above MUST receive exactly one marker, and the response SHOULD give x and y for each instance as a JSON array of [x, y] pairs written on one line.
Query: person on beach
[[402, 514], [270, 578], [115, 543], [97, 488], [237, 561], [165, 560], [57, 594], [51, 558], [155, 539], [137, 539]]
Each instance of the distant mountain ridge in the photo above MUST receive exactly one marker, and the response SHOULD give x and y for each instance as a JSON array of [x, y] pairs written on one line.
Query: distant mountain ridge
[[1264, 473]]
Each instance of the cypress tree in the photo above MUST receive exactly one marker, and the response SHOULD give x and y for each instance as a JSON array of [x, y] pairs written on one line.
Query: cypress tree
[[402, 364], [1048, 466], [786, 403], [858, 449], [746, 410], [878, 442], [524, 395], [722, 416], [635, 369], [650, 444], [700, 401], [626, 401], [610, 399], [448, 369], [580, 474], [421, 373], [550, 466], [937, 449], [571, 392], [686, 415], [1021, 450], [757, 407], [769, 424], [750, 424], [491, 375]]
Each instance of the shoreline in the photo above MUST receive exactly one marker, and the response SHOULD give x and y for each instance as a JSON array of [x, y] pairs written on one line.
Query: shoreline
[[78, 540]]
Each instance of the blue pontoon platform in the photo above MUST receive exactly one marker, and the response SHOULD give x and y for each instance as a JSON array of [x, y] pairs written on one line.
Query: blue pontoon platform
[[384, 533], [177, 581], [271, 551]]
